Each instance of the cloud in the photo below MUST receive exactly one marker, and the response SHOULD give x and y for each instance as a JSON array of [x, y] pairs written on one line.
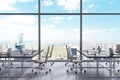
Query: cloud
[[8, 5], [47, 2], [69, 5], [36, 6], [52, 33], [91, 6], [85, 11], [112, 2], [19, 19], [70, 17], [96, 35], [12, 32], [24, 1], [12, 26], [56, 19], [101, 31], [76, 30], [49, 32], [85, 0]]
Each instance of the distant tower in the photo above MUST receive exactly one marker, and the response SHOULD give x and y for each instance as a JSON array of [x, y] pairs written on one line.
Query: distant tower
[[21, 39]]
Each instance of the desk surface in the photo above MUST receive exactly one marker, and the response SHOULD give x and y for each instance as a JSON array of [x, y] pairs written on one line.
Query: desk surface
[[16, 54], [98, 55], [101, 56]]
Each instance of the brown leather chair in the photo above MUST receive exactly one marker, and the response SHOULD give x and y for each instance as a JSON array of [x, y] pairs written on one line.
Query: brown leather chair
[[43, 61]]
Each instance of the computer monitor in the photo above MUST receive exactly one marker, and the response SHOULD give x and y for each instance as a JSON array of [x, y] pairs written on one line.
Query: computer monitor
[[74, 52], [9, 51], [111, 52]]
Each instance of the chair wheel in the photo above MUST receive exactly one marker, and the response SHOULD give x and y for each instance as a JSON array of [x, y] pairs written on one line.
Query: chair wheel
[[35, 72], [41, 68], [71, 68], [84, 71], [67, 71], [0, 69], [118, 70], [73, 65], [106, 64], [46, 72], [52, 64], [75, 72], [11, 63], [32, 70], [2, 64], [49, 69]]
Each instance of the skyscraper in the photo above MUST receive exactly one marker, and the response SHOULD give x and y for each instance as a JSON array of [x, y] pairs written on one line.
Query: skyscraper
[[20, 39]]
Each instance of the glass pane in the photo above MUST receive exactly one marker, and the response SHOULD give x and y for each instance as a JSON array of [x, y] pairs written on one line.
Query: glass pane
[[101, 6], [60, 6], [101, 31], [60, 31], [18, 29], [18, 6]]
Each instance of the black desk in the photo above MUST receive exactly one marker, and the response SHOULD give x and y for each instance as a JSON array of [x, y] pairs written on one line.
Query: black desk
[[105, 58], [102, 58], [18, 57]]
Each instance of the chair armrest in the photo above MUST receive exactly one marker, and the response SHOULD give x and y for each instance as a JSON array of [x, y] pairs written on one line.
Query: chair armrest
[[82, 53], [38, 53]]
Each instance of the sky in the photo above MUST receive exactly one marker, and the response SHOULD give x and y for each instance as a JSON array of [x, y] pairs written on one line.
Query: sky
[[60, 28]]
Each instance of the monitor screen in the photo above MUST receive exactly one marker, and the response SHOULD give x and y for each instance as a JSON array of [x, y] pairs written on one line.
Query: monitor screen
[[111, 51]]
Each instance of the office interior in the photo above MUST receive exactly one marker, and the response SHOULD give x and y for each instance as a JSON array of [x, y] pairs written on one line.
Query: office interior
[[59, 40]]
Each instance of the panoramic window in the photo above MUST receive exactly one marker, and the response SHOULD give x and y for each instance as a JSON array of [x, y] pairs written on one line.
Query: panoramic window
[[14, 26], [101, 6], [59, 23], [60, 30], [100, 30], [17, 27], [102, 27], [22, 20]]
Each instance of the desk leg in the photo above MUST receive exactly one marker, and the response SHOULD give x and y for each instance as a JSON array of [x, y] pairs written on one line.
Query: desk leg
[[9, 69], [97, 68], [114, 68], [110, 71], [22, 65]]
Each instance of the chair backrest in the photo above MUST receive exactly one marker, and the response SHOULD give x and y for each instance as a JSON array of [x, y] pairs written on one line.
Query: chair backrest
[[117, 48], [74, 53], [46, 56], [51, 50], [69, 53]]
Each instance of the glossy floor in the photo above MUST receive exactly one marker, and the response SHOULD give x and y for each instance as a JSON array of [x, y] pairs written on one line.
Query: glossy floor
[[58, 73]]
